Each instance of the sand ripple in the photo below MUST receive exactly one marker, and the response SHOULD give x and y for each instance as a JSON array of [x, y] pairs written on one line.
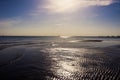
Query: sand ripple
[[35, 63]]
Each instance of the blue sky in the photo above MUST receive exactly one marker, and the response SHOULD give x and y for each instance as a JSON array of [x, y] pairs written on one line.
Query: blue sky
[[60, 17]]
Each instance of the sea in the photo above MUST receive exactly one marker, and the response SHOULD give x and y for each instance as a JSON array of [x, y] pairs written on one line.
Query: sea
[[59, 58]]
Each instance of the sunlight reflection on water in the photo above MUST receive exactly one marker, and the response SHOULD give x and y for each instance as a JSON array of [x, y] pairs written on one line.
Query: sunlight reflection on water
[[59, 59], [65, 62], [65, 37]]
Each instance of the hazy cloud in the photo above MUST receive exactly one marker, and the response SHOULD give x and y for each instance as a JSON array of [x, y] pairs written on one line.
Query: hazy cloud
[[9, 22], [69, 5], [58, 6]]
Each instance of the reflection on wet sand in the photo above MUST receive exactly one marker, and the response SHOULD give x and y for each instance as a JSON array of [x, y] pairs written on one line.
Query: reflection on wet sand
[[31, 62], [82, 64], [64, 62]]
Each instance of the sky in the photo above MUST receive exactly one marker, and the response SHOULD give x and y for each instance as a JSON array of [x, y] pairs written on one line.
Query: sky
[[59, 17]]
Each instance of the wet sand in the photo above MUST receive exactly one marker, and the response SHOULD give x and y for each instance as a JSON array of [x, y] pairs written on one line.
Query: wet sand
[[33, 62]]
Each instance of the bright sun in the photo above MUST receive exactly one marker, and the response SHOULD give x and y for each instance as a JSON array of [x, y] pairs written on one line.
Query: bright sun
[[62, 5], [71, 5]]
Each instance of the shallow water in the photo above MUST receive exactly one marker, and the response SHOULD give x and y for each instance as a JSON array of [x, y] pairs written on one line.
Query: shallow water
[[59, 59]]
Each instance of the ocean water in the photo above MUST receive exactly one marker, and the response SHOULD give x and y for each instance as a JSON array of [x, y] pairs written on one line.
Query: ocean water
[[59, 58]]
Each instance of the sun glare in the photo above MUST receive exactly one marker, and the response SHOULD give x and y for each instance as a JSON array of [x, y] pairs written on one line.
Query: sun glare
[[72, 5], [62, 5], [64, 37]]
